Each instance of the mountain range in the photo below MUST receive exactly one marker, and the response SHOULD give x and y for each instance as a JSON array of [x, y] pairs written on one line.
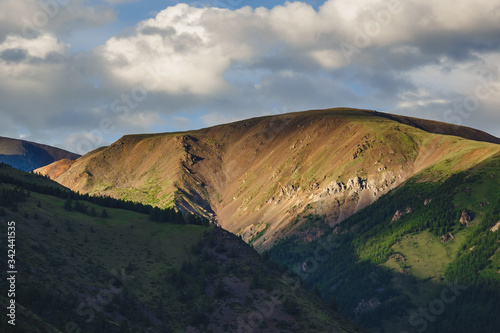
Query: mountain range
[[255, 177], [391, 220]]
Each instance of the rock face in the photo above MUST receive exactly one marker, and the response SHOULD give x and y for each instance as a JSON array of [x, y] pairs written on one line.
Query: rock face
[[447, 237], [465, 219], [495, 227], [333, 188], [400, 214], [365, 306], [399, 257]]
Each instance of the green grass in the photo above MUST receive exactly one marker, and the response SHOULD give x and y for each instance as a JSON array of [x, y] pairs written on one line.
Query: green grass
[[69, 253], [211, 141], [122, 227], [493, 270], [32, 178], [369, 241], [485, 188], [260, 233], [426, 257]]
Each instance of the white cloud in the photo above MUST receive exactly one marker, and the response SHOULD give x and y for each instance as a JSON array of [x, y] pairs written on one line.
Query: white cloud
[[412, 57], [36, 47], [31, 64], [31, 17], [193, 47], [184, 55], [142, 120]]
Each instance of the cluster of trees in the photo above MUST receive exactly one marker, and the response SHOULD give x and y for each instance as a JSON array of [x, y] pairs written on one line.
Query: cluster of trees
[[366, 239], [170, 215], [81, 207], [75, 200], [10, 197], [337, 273], [376, 233], [484, 244], [474, 269]]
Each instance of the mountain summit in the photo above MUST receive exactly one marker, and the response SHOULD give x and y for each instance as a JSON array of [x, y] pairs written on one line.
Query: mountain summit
[[258, 177]]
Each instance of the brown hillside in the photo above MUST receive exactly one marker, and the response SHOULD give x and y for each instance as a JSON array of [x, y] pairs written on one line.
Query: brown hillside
[[56, 169], [254, 177]]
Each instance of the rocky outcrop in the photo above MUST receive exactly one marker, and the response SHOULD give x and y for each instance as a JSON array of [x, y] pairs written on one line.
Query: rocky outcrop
[[399, 257], [290, 191], [333, 188], [356, 184], [465, 219], [365, 306], [400, 214], [495, 227], [445, 238]]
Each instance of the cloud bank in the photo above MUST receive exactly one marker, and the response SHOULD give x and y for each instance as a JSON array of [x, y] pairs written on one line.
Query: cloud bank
[[191, 67]]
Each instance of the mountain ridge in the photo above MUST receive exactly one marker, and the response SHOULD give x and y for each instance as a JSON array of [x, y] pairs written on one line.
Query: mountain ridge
[[374, 210], [437, 127], [27, 155], [255, 176]]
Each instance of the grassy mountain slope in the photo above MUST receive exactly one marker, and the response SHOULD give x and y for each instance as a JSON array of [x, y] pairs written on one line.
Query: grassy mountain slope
[[27, 156], [437, 127], [261, 177], [84, 267], [446, 234]]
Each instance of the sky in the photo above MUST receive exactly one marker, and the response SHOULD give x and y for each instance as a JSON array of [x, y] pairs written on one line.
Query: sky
[[79, 74]]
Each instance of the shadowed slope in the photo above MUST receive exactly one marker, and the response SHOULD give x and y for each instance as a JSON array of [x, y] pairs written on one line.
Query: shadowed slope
[[27, 156], [123, 271]]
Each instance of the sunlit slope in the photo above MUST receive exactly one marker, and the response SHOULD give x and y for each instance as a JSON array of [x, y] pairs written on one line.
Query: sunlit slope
[[254, 177]]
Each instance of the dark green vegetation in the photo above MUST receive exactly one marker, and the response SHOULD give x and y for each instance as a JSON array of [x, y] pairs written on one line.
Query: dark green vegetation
[[78, 202], [390, 274], [90, 264]]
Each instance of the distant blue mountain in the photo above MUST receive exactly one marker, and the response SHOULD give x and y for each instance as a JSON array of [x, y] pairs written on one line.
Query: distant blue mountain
[[28, 156]]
